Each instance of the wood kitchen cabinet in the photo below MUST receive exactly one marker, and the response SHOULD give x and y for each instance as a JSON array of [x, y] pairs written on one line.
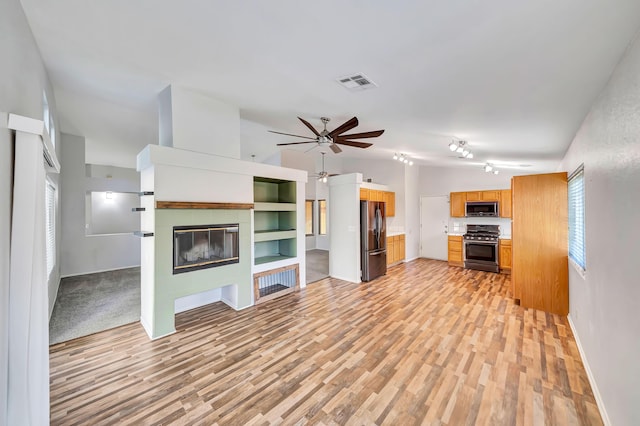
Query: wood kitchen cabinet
[[504, 255], [505, 203], [400, 247], [539, 271], [388, 197], [456, 203], [395, 249], [455, 250], [390, 200], [376, 195], [492, 195]]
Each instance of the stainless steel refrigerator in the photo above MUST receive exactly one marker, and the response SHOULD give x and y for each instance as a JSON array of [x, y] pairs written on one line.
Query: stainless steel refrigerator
[[373, 239]]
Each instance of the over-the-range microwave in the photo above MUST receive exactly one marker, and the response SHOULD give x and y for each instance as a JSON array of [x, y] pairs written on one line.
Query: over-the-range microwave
[[481, 209]]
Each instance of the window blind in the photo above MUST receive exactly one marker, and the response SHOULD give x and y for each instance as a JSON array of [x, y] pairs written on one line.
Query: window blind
[[50, 217], [576, 217]]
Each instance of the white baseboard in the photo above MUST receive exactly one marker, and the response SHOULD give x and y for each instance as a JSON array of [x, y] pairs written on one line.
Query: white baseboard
[[592, 380], [147, 328], [97, 272]]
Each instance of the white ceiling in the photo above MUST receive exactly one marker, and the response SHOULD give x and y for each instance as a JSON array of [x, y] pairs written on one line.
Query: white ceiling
[[513, 78]]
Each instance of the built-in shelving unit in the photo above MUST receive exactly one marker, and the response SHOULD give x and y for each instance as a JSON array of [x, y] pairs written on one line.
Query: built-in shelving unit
[[274, 220]]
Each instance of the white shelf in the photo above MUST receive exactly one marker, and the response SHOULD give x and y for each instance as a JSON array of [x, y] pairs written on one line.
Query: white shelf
[[274, 207], [270, 259], [274, 235]]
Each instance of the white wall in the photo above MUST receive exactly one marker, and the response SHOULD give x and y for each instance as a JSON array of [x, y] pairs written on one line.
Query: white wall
[[6, 176], [412, 212], [81, 253], [436, 181], [603, 305], [23, 78], [109, 212], [344, 249], [199, 123]]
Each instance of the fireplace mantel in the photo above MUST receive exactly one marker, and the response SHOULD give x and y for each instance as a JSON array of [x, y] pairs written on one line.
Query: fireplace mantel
[[202, 205]]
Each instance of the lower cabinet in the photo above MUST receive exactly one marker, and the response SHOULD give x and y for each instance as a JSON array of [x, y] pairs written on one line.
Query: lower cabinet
[[395, 249], [455, 250], [504, 256]]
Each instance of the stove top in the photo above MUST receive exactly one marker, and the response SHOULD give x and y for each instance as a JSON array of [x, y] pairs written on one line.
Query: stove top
[[482, 233]]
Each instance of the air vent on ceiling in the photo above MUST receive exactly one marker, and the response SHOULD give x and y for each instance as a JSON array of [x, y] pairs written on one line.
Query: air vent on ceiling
[[356, 82]]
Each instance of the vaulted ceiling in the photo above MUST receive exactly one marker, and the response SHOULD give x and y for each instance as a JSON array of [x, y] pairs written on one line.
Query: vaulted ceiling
[[513, 78]]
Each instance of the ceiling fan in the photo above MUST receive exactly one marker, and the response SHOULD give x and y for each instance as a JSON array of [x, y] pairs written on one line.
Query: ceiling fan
[[335, 137], [323, 175]]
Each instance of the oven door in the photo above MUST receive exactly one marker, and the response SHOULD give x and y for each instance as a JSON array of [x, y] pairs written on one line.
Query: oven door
[[481, 255]]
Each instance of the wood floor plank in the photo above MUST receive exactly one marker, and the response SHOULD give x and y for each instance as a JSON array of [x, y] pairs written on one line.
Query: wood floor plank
[[427, 343]]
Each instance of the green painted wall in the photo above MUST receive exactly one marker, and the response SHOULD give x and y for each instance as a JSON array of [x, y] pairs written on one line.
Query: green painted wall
[[169, 287]]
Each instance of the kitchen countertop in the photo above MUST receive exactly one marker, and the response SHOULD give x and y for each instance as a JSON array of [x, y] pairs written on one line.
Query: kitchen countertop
[[393, 234]]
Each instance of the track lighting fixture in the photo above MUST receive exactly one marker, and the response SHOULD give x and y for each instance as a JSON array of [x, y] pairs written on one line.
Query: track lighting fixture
[[489, 168], [403, 158], [461, 148]]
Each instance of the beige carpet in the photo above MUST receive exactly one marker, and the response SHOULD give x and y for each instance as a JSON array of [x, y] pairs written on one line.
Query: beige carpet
[[317, 265]]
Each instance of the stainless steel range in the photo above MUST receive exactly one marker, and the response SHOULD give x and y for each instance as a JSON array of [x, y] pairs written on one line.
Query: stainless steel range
[[481, 247]]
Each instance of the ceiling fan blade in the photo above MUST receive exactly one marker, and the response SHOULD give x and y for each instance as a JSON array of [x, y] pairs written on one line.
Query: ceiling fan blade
[[363, 135], [306, 123], [289, 134], [335, 148], [294, 143], [354, 143], [344, 127]]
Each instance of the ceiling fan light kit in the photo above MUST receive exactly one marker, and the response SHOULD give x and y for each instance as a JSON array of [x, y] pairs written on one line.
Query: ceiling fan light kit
[[323, 175], [334, 137], [403, 158]]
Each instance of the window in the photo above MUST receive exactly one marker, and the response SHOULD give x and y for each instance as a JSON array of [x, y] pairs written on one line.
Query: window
[[308, 215], [50, 218], [576, 218], [322, 213], [47, 117]]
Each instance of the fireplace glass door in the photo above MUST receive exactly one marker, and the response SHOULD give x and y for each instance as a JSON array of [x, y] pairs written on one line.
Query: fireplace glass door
[[207, 246]]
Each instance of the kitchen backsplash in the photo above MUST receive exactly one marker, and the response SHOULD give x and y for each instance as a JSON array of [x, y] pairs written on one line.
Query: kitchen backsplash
[[458, 225]]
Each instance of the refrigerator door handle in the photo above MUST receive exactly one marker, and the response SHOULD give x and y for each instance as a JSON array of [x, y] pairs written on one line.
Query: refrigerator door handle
[[377, 253]]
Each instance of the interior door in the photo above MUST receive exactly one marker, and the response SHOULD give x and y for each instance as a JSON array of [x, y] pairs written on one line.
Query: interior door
[[434, 223]]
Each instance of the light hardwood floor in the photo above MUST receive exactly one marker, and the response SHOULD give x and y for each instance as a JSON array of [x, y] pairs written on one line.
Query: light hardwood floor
[[426, 344]]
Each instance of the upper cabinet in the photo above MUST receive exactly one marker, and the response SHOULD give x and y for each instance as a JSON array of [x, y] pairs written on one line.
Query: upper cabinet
[[458, 200], [483, 195], [364, 193], [390, 200], [505, 203], [377, 195]]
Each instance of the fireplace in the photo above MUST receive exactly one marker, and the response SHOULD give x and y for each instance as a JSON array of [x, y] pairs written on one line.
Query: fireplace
[[204, 246]]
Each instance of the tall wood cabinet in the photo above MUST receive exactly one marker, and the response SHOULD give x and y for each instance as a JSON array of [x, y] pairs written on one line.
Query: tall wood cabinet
[[539, 273]]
